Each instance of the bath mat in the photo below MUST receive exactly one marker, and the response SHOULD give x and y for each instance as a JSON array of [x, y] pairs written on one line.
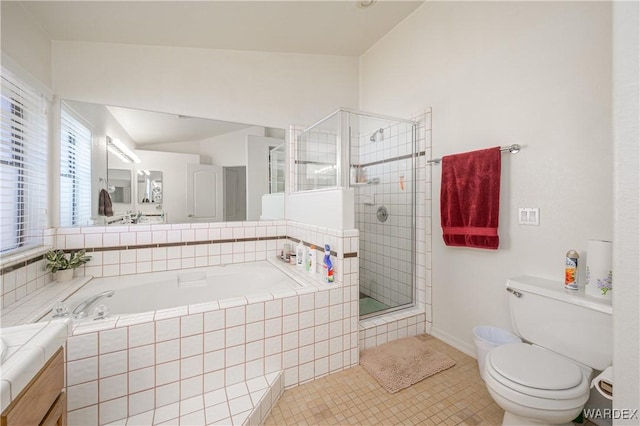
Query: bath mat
[[399, 364]]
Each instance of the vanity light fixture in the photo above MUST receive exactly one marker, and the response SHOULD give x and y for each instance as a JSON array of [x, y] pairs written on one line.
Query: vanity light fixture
[[120, 150]]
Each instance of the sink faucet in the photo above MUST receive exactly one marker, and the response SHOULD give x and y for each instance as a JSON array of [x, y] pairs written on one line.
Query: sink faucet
[[81, 310]]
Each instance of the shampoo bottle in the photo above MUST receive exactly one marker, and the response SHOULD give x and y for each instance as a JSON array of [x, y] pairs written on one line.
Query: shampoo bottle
[[311, 259], [300, 254], [327, 266]]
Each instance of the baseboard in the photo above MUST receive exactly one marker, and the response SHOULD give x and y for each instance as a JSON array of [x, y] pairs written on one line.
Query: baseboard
[[454, 341]]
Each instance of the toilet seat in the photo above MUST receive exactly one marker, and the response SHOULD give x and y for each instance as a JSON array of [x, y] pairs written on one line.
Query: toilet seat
[[535, 372]]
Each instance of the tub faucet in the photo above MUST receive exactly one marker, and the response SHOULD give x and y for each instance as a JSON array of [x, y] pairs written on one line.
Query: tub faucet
[[81, 310]]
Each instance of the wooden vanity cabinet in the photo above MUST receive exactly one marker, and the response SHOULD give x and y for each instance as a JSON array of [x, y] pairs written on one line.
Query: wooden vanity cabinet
[[42, 402]]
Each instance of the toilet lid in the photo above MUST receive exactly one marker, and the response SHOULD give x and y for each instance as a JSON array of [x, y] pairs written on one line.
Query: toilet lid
[[535, 367]]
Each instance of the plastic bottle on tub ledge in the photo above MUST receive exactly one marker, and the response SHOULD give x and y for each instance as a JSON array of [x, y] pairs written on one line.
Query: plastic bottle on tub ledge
[[300, 254], [310, 264], [327, 266]]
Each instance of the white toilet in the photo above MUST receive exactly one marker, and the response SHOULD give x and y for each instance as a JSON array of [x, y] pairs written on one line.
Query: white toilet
[[547, 380]]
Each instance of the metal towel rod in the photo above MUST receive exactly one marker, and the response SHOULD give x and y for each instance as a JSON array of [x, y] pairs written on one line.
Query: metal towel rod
[[514, 149]]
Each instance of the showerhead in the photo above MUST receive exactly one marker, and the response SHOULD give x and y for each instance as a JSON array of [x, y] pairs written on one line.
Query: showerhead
[[374, 137]]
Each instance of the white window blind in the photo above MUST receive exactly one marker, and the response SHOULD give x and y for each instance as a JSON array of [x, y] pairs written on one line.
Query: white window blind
[[75, 170], [23, 165]]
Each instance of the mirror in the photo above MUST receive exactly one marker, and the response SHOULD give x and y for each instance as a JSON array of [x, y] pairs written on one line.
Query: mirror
[[276, 169], [247, 160], [149, 186], [119, 185]]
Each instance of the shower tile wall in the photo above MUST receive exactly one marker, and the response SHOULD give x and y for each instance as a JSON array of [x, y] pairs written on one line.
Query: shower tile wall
[[386, 247]]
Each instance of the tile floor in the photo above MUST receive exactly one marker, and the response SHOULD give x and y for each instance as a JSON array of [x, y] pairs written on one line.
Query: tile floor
[[456, 396]]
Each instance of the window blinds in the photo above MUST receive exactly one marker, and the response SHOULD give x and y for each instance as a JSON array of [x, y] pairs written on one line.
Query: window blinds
[[75, 170], [23, 165]]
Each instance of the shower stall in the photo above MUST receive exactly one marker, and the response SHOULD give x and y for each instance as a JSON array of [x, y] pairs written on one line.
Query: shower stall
[[377, 157]]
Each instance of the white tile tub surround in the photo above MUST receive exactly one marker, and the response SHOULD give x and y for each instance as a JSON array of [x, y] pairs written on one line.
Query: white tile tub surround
[[245, 403], [136, 249], [170, 356], [23, 273]]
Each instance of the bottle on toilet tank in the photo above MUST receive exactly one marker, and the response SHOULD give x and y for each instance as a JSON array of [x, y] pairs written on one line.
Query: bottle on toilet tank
[[571, 270]]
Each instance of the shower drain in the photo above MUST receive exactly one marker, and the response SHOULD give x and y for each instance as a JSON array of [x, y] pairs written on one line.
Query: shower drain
[[382, 214]]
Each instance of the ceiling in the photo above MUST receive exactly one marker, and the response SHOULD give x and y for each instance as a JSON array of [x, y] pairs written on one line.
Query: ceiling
[[301, 26]]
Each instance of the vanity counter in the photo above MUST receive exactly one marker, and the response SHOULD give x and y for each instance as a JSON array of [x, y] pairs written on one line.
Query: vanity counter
[[28, 348]]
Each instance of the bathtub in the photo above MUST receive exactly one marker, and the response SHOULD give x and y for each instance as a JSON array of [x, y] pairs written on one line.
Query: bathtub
[[171, 289]]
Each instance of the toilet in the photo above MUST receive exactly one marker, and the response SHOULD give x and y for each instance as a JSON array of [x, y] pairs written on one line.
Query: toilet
[[569, 335]]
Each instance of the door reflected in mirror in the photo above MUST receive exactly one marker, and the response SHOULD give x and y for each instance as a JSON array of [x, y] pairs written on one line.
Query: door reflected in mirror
[[276, 169]]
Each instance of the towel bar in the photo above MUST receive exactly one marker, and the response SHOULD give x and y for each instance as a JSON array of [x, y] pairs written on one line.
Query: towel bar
[[514, 149]]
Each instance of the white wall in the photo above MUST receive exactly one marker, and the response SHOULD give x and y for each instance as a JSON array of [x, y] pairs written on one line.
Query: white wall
[[328, 208], [25, 42], [267, 89], [497, 73], [626, 294]]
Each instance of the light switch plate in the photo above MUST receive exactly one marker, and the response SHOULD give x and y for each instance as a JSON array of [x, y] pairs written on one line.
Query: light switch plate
[[529, 216]]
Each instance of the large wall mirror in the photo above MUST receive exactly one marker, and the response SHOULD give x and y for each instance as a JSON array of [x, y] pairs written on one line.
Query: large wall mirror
[[171, 168]]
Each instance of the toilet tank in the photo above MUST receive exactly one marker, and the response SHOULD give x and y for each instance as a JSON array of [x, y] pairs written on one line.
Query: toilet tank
[[567, 322]]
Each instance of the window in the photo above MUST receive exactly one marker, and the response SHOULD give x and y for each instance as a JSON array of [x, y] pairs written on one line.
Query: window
[[23, 165], [75, 170]]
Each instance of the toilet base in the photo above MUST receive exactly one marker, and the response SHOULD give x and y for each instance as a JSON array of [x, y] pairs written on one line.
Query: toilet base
[[511, 419]]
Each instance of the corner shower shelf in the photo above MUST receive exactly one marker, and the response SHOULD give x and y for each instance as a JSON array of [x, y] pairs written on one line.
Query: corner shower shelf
[[373, 181]]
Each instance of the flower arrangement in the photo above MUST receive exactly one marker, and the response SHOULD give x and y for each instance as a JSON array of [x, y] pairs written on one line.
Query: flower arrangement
[[57, 260], [605, 284]]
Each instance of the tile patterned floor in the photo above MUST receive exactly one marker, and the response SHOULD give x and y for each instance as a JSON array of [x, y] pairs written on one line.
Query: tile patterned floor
[[456, 396]]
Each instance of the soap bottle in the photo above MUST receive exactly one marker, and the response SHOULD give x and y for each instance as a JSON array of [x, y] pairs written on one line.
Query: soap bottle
[[311, 259], [300, 254], [327, 266]]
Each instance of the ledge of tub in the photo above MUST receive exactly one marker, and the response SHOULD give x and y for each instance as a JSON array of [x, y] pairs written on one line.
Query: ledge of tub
[[308, 282], [35, 306]]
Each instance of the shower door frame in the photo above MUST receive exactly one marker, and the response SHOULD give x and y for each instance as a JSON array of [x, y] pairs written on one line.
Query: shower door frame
[[344, 163]]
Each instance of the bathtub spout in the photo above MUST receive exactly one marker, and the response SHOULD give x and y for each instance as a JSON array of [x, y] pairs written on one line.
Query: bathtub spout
[[82, 309]]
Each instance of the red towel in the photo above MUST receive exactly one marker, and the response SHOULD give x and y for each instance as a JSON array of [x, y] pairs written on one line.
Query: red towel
[[470, 198]]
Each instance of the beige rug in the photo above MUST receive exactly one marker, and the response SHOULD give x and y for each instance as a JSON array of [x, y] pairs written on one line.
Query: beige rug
[[399, 364]]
